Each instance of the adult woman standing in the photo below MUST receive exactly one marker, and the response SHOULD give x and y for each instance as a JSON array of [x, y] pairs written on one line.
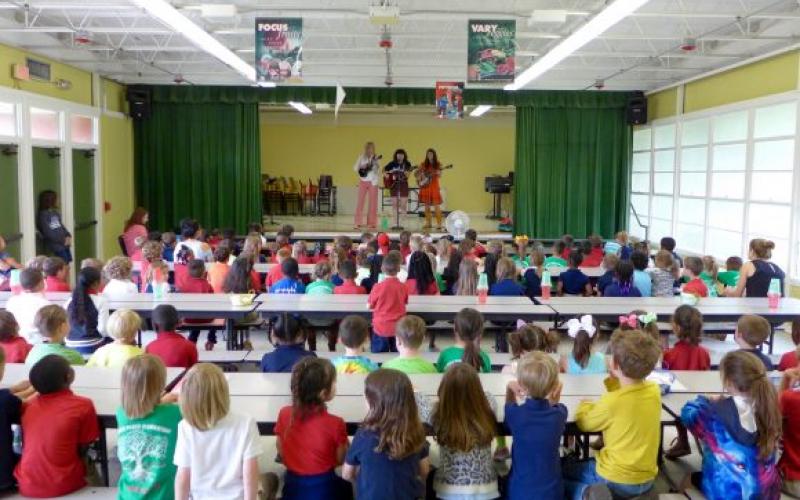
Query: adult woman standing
[[430, 194], [55, 237], [398, 170], [756, 275], [367, 168], [135, 228]]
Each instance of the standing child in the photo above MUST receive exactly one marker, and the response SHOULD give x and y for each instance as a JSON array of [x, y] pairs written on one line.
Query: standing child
[[118, 273], [290, 284], [353, 332], [573, 281], [174, 350], [218, 271], [629, 416], [468, 329], [14, 347], [322, 284], [289, 342], [641, 278], [746, 425], [506, 284], [25, 305], [623, 285], [751, 332], [311, 442], [88, 313], [197, 282], [56, 273], [610, 261], [410, 333], [664, 275], [123, 325], [582, 361], [57, 428], [536, 420], [146, 421], [388, 459], [347, 271], [387, 300], [53, 325], [217, 450], [789, 465]]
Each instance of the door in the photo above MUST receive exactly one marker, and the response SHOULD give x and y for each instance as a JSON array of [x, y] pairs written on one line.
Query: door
[[9, 201], [46, 175], [85, 235]]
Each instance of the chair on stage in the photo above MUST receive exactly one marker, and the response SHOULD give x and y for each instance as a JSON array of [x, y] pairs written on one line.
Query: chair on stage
[[308, 196], [292, 200], [272, 196], [326, 196]]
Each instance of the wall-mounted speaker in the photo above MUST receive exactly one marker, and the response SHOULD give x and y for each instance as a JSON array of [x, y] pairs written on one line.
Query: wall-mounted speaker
[[636, 109], [138, 103]]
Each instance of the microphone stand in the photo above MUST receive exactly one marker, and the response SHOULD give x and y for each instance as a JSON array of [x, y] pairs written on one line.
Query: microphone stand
[[397, 226]]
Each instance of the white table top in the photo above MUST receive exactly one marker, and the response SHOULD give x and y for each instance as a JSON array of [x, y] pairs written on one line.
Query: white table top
[[498, 358], [85, 377], [592, 272]]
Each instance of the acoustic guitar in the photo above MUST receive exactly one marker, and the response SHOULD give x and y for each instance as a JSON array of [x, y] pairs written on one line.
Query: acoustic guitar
[[390, 178], [424, 177], [365, 170]]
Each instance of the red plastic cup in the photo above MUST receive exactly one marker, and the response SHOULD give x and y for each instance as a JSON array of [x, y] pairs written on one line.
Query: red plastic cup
[[482, 294], [774, 300], [545, 293]]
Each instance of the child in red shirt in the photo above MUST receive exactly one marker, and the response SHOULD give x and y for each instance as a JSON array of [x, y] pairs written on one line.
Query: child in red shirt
[[57, 426], [592, 251], [16, 348], [692, 267], [383, 241], [218, 271], [197, 282], [55, 271], [311, 441], [300, 254], [170, 346], [789, 464], [388, 301], [347, 271], [275, 274]]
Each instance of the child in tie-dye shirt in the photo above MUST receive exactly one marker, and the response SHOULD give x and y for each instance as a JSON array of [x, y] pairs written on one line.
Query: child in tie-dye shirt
[[353, 332]]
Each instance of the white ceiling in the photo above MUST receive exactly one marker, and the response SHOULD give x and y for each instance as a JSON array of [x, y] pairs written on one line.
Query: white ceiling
[[340, 44]]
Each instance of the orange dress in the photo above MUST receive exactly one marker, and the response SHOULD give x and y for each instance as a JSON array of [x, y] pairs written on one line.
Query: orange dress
[[430, 194]]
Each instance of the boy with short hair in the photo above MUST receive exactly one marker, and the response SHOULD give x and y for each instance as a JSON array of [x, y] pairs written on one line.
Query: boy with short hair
[[692, 267], [348, 273], [629, 416], [289, 346], [322, 284], [197, 282], [387, 300], [573, 281], [668, 243], [275, 273], [751, 332], [169, 240], [410, 333], [610, 261], [53, 325], [353, 332], [170, 346], [56, 271], [730, 276], [290, 283], [58, 427], [641, 279], [25, 305]]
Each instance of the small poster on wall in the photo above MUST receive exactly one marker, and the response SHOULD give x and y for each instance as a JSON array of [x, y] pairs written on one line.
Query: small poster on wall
[[450, 100], [490, 50], [279, 49]]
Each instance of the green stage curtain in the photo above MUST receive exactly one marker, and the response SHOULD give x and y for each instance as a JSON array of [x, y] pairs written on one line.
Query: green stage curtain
[[572, 171], [201, 161]]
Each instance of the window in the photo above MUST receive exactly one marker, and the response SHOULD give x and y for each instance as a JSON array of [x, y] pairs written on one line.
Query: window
[[82, 129], [8, 124], [719, 179], [45, 124]]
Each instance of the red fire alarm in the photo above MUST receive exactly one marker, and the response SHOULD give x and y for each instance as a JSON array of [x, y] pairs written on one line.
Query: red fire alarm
[[21, 72], [107, 206]]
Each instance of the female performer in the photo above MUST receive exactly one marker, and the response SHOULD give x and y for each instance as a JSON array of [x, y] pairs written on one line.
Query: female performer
[[367, 168], [398, 169], [429, 194]]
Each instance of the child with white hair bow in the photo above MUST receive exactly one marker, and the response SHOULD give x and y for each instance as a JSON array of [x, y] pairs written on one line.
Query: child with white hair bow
[[582, 361]]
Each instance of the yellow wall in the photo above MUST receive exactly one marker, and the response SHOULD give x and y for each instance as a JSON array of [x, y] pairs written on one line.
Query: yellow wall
[[117, 160], [307, 146], [114, 97], [662, 104]]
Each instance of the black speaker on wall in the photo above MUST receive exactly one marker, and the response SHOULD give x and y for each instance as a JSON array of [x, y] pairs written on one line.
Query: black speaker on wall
[[636, 109], [138, 103]]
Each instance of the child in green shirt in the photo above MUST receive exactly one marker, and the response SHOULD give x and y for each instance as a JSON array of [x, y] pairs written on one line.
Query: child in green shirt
[[468, 328], [53, 326], [709, 275], [322, 284], [556, 260], [409, 334], [730, 276]]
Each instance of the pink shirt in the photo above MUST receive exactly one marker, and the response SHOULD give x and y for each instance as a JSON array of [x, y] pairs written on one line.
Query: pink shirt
[[129, 237], [388, 301]]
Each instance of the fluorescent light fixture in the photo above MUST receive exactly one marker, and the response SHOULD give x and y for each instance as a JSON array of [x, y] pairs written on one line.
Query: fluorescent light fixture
[[479, 110], [299, 106], [593, 28], [265, 84], [168, 15]]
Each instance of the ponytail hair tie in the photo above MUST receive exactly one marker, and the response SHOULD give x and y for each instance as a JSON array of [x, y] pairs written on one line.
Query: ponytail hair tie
[[630, 320], [648, 318], [586, 323]]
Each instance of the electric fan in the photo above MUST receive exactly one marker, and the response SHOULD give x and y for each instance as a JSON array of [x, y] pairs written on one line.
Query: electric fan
[[457, 223]]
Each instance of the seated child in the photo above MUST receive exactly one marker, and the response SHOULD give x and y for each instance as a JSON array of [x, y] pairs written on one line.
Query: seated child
[[573, 281], [610, 261], [506, 284], [58, 428], [619, 246], [158, 277], [532, 276], [528, 338], [146, 421], [641, 279], [582, 361], [300, 254], [290, 283], [217, 450], [789, 464], [218, 270], [353, 332], [7, 264], [623, 284], [169, 240], [555, 260], [664, 274], [14, 347], [88, 314], [197, 282], [592, 251], [410, 333], [730, 276], [569, 245], [668, 243], [25, 305], [347, 271], [746, 425], [751, 332], [629, 417], [56, 274], [10, 411], [289, 340], [421, 279], [389, 452], [387, 300], [118, 273], [152, 251], [322, 284], [537, 421], [709, 275], [53, 325], [122, 326], [468, 330], [311, 442], [170, 346]]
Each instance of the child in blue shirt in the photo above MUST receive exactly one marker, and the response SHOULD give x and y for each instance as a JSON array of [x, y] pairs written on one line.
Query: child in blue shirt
[[289, 346], [573, 281], [290, 283], [354, 332], [641, 279], [623, 285], [610, 265], [506, 284], [168, 250]]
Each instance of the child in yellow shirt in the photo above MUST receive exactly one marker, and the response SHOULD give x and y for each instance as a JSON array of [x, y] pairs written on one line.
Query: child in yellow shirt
[[629, 416], [123, 325]]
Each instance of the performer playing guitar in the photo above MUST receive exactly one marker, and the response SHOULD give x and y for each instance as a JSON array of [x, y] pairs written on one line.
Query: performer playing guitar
[[395, 177], [427, 176], [367, 168]]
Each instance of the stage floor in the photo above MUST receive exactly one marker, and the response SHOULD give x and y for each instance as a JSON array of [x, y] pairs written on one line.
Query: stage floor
[[327, 227]]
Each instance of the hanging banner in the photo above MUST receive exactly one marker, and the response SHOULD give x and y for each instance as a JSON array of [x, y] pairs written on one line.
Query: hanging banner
[[490, 50], [450, 100], [279, 49]]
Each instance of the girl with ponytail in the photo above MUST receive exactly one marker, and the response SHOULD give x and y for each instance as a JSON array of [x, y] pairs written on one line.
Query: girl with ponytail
[[738, 434], [582, 361], [88, 313], [468, 328]]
